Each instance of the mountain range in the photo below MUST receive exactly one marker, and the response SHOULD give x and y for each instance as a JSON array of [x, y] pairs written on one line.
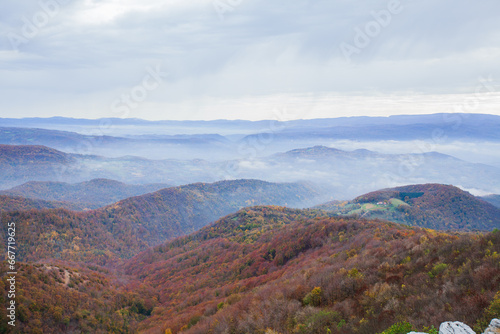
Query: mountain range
[[341, 174], [134, 226], [278, 270], [121, 230], [112, 146], [126, 227], [156, 264], [230, 127], [230, 140], [91, 194]]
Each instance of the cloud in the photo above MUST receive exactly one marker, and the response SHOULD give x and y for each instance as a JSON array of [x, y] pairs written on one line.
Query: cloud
[[90, 52]]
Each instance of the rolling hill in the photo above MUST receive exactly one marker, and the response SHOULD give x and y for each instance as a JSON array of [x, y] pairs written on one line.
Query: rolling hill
[[271, 269], [433, 206], [92, 194], [19, 164], [297, 271], [124, 228], [263, 269], [31, 154], [17, 203]]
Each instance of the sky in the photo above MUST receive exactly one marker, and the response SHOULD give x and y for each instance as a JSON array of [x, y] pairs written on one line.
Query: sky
[[248, 59]]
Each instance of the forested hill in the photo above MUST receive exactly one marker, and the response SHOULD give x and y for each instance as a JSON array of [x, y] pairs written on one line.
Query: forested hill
[[29, 154], [298, 271], [92, 194], [264, 268], [16, 203], [19, 164], [435, 206], [129, 226]]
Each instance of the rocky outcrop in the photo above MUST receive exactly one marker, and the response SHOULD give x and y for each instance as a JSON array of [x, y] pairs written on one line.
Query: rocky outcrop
[[455, 328], [461, 328], [494, 327]]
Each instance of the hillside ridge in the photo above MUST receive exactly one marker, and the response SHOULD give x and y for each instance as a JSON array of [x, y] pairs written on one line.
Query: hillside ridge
[[436, 206]]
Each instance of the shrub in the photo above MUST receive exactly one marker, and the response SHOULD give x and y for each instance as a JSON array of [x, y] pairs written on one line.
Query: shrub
[[437, 269], [399, 328], [313, 298]]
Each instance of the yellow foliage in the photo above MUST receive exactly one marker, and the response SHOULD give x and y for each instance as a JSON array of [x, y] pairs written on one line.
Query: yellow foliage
[[271, 331], [406, 259], [354, 273]]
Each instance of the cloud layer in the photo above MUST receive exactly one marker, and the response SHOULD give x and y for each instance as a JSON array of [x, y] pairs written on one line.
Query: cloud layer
[[242, 58]]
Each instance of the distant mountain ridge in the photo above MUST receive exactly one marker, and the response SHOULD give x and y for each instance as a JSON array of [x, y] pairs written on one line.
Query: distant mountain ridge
[[91, 194], [343, 174], [439, 118], [433, 206], [20, 164], [401, 127], [64, 140], [113, 137], [493, 199], [31, 154], [110, 144]]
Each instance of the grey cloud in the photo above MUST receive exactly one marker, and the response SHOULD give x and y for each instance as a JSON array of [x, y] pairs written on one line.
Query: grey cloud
[[260, 48]]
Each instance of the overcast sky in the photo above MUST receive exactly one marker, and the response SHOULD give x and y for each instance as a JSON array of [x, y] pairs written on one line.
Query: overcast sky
[[248, 59]]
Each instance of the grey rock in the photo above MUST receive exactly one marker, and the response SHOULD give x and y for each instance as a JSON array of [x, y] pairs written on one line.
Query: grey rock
[[493, 328], [455, 328]]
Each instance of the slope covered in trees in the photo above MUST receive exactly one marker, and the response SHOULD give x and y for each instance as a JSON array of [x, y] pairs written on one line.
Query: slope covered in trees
[[299, 271], [261, 269], [91, 194], [433, 206], [16, 203], [70, 298], [129, 226]]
